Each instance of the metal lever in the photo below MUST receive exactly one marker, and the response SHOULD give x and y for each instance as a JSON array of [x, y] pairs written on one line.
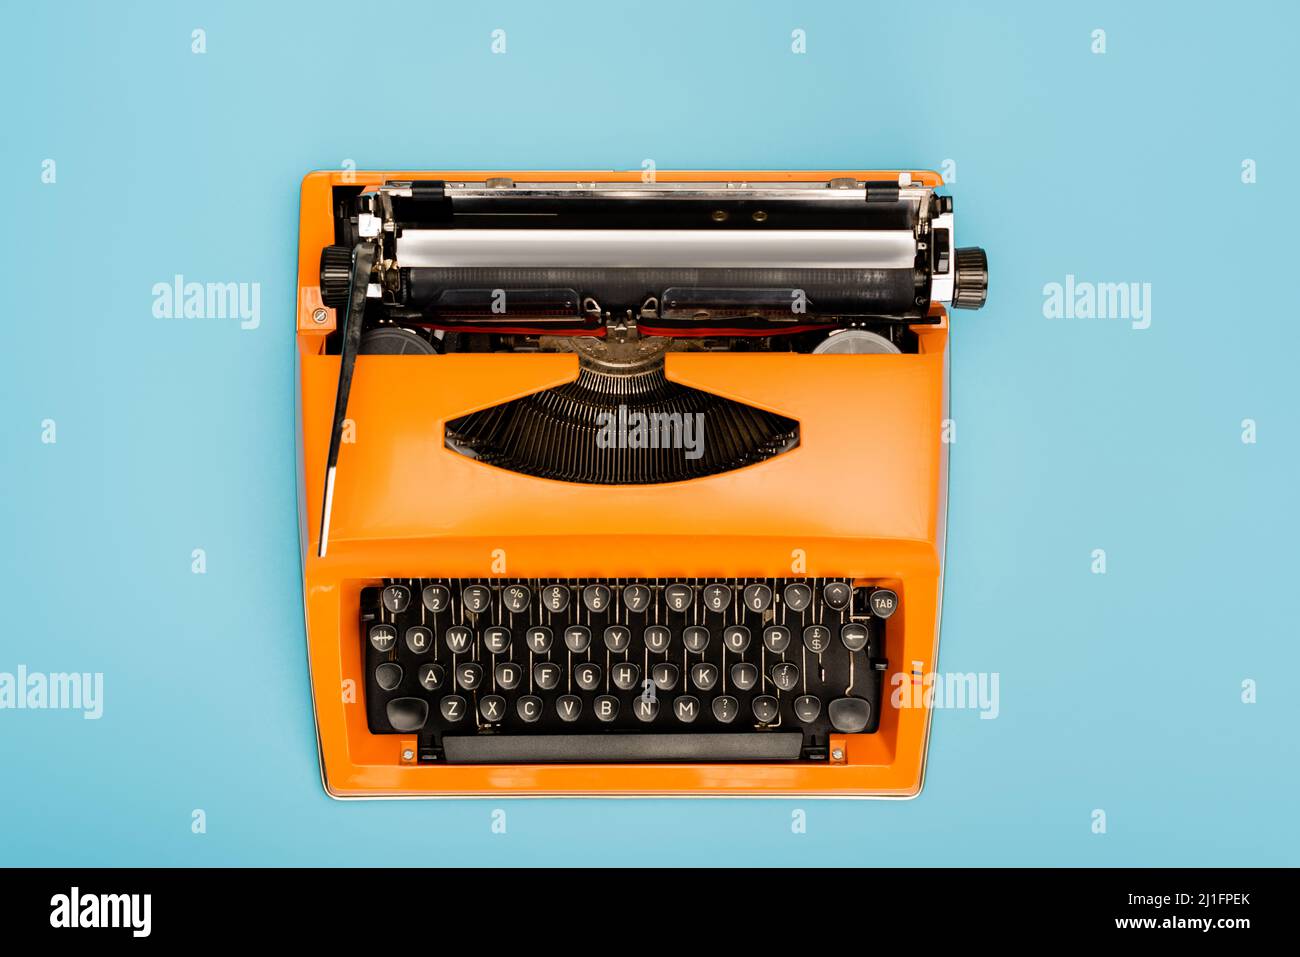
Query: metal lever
[[363, 258]]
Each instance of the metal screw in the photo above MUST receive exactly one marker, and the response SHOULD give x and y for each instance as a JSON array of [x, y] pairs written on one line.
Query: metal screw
[[759, 216], [408, 754], [838, 754], [319, 316], [719, 215]]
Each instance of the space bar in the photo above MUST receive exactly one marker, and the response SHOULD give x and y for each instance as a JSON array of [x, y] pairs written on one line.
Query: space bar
[[630, 748]]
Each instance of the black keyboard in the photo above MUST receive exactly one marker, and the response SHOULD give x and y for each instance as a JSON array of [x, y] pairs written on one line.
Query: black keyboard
[[623, 670]]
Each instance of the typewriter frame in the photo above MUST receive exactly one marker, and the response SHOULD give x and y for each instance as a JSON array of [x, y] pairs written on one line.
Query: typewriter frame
[[406, 506]]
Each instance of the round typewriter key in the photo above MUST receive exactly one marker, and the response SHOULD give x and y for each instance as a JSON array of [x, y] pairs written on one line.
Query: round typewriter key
[[388, 675], [854, 636], [717, 597], [546, 675], [817, 638], [618, 638], [837, 595], [529, 708], [679, 597], [884, 602], [419, 639], [596, 597], [636, 598], [725, 708], [475, 598], [492, 707], [758, 598], [516, 598], [696, 639], [704, 675], [383, 637], [431, 676], [626, 675], [577, 638], [555, 597], [607, 707], [396, 598], [765, 709], [736, 638], [539, 640], [665, 675], [407, 714], [686, 707], [452, 707], [496, 639], [646, 709], [459, 639], [436, 598], [469, 675], [807, 708], [568, 707], [744, 675], [508, 675], [798, 596], [587, 675], [776, 639], [657, 638], [785, 675]]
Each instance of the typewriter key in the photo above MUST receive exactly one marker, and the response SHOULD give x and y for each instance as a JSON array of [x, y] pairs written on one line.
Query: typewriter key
[[736, 638], [626, 675], [696, 639], [657, 638], [452, 707], [854, 636], [577, 638], [546, 676], [744, 675], [388, 675], [568, 707], [817, 638], [587, 675], [798, 596], [785, 675], [776, 639], [492, 707], [436, 598], [717, 597], [607, 707], [459, 639], [837, 595], [419, 639], [884, 602], [807, 708], [765, 709], [725, 708], [646, 709], [665, 675], [496, 639], [383, 637], [475, 598], [595, 597], [555, 597], [849, 715], [679, 597], [618, 639], [407, 714], [469, 675], [686, 707], [636, 598], [758, 598], [529, 708], [508, 675], [396, 598], [516, 598], [431, 676], [539, 640], [704, 675]]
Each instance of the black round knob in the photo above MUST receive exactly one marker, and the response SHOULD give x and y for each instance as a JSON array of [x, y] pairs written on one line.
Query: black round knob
[[971, 286], [335, 276]]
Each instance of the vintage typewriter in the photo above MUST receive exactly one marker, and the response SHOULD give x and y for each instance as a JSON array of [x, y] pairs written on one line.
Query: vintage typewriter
[[622, 487]]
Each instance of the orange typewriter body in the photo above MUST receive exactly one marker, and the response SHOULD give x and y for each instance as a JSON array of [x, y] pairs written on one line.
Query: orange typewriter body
[[862, 497]]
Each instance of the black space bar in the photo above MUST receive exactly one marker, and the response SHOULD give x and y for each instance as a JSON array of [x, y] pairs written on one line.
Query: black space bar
[[630, 748]]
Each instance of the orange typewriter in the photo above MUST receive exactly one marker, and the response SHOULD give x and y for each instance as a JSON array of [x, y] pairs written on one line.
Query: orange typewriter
[[622, 487]]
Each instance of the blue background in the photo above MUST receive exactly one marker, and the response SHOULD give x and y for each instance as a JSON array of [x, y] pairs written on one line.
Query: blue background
[[1118, 691]]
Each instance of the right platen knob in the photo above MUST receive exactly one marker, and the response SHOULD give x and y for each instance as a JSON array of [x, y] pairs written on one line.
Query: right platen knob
[[971, 284]]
